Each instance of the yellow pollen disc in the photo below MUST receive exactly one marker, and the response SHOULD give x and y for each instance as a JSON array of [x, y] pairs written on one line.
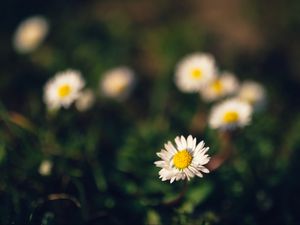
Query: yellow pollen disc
[[231, 117], [217, 86], [196, 73], [182, 159], [119, 87], [64, 90]]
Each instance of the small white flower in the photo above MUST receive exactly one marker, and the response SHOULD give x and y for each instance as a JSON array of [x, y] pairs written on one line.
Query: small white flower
[[63, 89], [117, 83], [230, 114], [253, 93], [30, 34], [223, 86], [45, 168], [195, 71], [85, 100], [184, 161]]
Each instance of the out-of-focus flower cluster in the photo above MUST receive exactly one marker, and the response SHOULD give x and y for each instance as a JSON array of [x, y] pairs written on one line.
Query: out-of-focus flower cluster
[[198, 73], [139, 113], [67, 87], [234, 103], [30, 34]]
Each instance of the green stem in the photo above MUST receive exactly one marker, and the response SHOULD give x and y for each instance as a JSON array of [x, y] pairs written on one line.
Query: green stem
[[217, 160], [177, 200]]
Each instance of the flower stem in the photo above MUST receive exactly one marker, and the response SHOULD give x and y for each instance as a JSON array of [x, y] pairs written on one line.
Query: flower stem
[[177, 200], [227, 149]]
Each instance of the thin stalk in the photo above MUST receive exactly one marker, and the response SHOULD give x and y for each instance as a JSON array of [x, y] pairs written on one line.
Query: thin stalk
[[177, 200], [227, 149]]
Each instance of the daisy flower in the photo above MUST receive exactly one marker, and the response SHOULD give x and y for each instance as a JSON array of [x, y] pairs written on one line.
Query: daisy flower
[[253, 93], [195, 71], [117, 83], [183, 161], [230, 114], [45, 168], [30, 34], [63, 89], [225, 85], [85, 100]]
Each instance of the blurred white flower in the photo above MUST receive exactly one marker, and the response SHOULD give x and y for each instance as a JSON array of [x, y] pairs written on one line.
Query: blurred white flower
[[63, 89], [230, 114], [45, 168], [253, 93], [225, 85], [85, 100], [30, 34], [195, 71], [184, 161], [117, 83]]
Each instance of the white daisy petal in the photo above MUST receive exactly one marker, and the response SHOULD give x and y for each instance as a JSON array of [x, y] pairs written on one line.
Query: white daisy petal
[[30, 34], [85, 100], [160, 163], [199, 147], [202, 160], [63, 89], [117, 83], [194, 143], [172, 179], [185, 161], [183, 142], [199, 174], [230, 114], [190, 142], [203, 169], [169, 147], [253, 93], [204, 150], [178, 143], [45, 168], [224, 85], [195, 71]]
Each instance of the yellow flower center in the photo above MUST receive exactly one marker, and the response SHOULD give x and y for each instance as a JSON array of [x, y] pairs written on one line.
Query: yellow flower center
[[182, 159], [64, 90], [196, 73], [231, 117], [119, 87], [217, 86]]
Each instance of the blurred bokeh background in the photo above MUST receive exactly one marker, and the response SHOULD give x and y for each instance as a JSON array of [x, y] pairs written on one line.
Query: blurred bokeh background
[[102, 160]]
